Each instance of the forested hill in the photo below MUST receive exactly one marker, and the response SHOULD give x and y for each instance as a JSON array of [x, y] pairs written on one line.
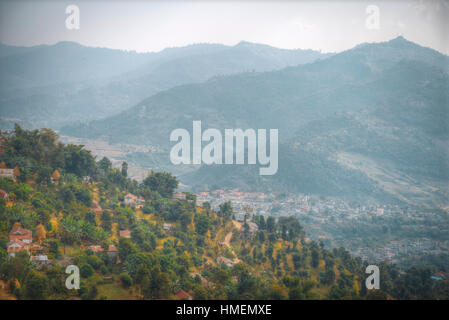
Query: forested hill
[[369, 122], [56, 85], [143, 240]]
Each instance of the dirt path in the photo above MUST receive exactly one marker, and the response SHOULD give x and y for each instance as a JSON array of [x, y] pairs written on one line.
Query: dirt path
[[237, 224], [227, 239]]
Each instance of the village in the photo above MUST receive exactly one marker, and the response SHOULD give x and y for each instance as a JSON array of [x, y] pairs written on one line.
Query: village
[[41, 254], [331, 221], [325, 220]]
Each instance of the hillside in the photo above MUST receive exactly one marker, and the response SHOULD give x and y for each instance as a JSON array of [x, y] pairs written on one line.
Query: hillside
[[67, 82], [367, 122], [134, 241]]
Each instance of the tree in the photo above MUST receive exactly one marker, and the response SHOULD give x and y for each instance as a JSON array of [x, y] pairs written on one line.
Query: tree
[[54, 248], [225, 210], [78, 161], [125, 248], [44, 175], [142, 278], [36, 285], [185, 219], [163, 182], [202, 224], [16, 267], [315, 257], [105, 164], [106, 221], [41, 232], [376, 295], [90, 218], [126, 279], [159, 283], [124, 169], [200, 293], [262, 224], [86, 270], [271, 224], [296, 293], [95, 262]]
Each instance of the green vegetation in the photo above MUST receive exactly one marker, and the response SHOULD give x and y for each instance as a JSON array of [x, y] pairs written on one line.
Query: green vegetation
[[173, 245]]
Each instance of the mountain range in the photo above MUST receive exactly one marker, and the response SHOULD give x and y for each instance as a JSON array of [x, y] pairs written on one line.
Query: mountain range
[[66, 82], [367, 123]]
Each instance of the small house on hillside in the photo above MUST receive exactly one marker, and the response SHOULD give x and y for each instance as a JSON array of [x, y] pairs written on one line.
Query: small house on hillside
[[7, 173], [134, 201], [40, 260], [125, 233], [130, 200], [182, 295], [15, 246], [179, 196], [20, 239], [22, 234]]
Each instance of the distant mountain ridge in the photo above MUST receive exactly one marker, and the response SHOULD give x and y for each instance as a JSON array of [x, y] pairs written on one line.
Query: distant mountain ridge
[[66, 82], [368, 122]]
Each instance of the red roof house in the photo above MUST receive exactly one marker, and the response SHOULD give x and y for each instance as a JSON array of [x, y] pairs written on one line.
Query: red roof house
[[125, 233], [182, 295], [19, 233], [16, 245]]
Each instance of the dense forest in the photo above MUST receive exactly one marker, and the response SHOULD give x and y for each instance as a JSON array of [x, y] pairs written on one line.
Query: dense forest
[[144, 240]]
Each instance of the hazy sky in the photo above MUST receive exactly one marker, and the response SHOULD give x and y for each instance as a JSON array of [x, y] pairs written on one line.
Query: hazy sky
[[330, 26]]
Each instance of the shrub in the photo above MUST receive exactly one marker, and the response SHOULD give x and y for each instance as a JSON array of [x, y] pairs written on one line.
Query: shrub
[[126, 279], [86, 270]]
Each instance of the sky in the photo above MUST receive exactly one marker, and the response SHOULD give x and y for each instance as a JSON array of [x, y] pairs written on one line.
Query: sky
[[145, 26]]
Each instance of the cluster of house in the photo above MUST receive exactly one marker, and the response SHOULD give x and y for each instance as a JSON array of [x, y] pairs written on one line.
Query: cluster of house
[[134, 201], [21, 239], [111, 251]]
